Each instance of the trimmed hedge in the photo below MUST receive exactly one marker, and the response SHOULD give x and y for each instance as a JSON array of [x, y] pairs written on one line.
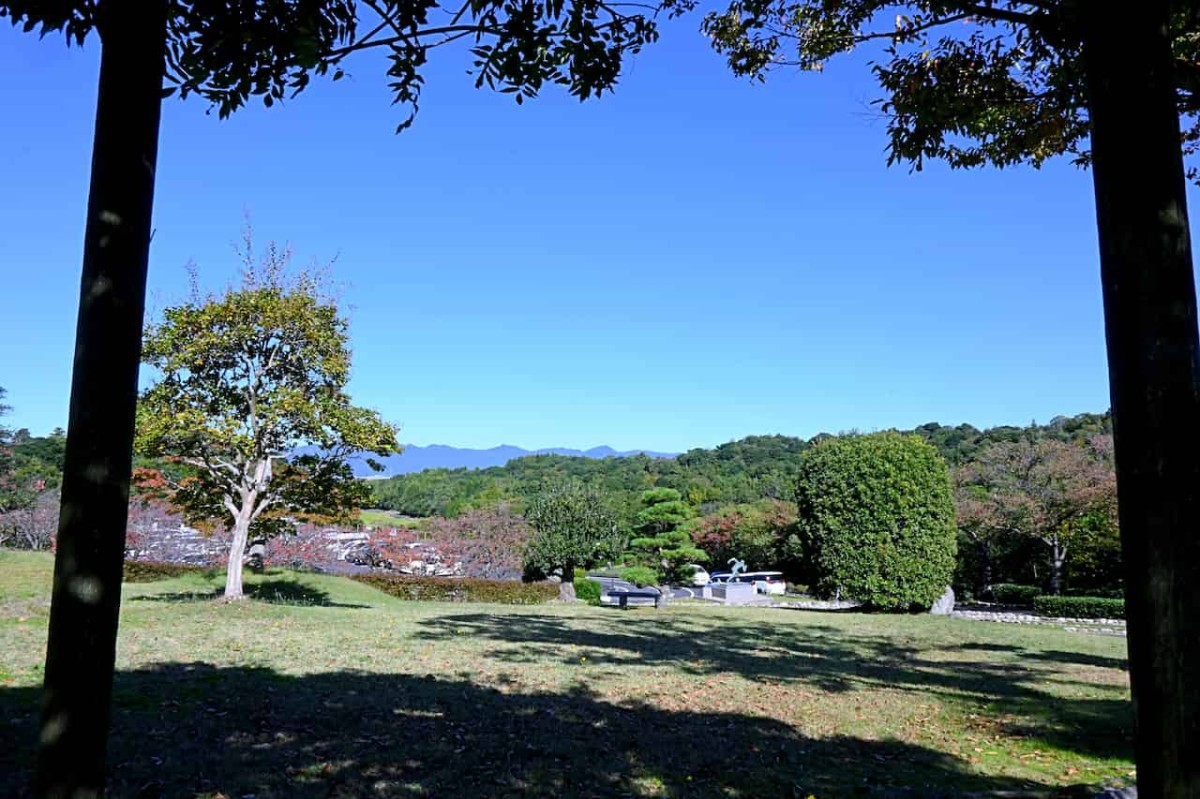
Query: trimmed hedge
[[447, 589], [1103, 593], [1015, 593], [151, 571], [876, 520], [1079, 607]]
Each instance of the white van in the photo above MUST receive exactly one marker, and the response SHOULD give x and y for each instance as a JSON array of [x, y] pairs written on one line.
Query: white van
[[699, 576], [764, 582]]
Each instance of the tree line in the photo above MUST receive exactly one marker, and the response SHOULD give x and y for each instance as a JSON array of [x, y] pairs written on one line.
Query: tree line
[[1033, 504]]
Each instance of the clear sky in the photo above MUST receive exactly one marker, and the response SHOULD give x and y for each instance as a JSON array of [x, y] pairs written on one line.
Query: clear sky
[[688, 261]]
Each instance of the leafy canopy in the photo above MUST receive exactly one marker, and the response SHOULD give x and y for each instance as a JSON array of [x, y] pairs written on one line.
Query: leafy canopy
[[248, 377], [572, 526], [968, 82], [228, 52]]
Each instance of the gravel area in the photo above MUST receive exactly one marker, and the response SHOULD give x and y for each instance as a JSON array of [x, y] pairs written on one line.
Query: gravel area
[[1094, 626], [998, 614]]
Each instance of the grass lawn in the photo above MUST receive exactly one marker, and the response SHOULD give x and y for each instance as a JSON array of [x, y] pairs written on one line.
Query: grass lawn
[[386, 518], [323, 687]]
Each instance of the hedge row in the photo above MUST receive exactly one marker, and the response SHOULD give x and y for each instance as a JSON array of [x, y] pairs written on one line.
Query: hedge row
[[1015, 594], [446, 589], [150, 571], [1079, 607]]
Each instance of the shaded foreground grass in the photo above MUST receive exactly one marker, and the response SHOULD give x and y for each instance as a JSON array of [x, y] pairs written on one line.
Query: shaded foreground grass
[[348, 692]]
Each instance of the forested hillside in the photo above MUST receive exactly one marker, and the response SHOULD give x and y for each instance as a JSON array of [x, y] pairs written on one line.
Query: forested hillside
[[745, 471]]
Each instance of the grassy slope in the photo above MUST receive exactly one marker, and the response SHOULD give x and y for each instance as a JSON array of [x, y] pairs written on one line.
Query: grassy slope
[[335, 690]]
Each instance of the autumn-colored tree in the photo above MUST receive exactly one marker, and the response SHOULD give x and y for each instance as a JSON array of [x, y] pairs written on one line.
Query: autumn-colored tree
[[248, 378], [490, 544], [755, 533], [1045, 490]]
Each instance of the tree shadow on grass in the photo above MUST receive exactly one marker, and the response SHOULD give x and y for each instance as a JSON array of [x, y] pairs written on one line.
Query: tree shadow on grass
[[185, 730], [831, 660], [1052, 656], [275, 592]]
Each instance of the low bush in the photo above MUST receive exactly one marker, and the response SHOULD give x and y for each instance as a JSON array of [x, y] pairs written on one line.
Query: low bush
[[1079, 607], [1015, 593], [446, 589], [587, 590], [150, 571]]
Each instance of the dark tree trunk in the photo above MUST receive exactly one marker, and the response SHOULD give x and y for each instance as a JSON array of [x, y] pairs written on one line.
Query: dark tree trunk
[[1058, 560], [95, 491], [1150, 321], [985, 567]]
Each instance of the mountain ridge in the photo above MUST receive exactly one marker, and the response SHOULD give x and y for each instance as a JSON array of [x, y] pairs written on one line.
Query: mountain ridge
[[415, 458]]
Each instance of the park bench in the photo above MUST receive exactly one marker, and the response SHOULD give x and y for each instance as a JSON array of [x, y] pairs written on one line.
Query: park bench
[[623, 597]]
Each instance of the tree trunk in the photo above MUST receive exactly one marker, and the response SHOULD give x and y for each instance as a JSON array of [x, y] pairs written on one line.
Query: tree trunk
[[566, 589], [985, 567], [237, 552], [1154, 372], [1058, 557], [86, 597]]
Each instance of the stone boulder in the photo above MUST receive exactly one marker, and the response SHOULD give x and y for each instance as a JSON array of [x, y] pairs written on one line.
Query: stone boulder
[[944, 604]]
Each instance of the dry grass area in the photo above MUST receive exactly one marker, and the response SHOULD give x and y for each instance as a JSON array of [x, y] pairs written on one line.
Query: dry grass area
[[322, 687]]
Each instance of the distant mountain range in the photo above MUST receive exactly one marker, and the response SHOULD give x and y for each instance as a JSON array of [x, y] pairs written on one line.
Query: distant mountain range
[[440, 456]]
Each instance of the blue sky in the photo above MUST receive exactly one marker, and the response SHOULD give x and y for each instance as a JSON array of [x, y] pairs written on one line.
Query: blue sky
[[687, 261]]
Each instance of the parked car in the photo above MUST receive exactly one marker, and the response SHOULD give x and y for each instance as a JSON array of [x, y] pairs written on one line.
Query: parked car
[[718, 578], [699, 575], [764, 582]]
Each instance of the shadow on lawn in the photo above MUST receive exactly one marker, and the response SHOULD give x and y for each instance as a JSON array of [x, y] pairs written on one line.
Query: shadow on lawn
[[830, 659], [276, 592], [182, 730], [1055, 656]]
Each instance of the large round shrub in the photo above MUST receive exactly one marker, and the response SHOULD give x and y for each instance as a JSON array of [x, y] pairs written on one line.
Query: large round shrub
[[877, 520]]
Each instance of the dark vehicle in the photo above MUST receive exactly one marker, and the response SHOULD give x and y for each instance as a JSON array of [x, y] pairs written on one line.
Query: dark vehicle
[[612, 587]]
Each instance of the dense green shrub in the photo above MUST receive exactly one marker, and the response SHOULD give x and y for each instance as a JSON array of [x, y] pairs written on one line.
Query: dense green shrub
[[1015, 593], [1079, 607], [587, 590], [149, 571], [876, 520], [447, 589]]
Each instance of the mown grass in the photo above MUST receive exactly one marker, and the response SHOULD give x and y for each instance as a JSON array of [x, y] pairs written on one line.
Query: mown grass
[[332, 689], [374, 517]]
